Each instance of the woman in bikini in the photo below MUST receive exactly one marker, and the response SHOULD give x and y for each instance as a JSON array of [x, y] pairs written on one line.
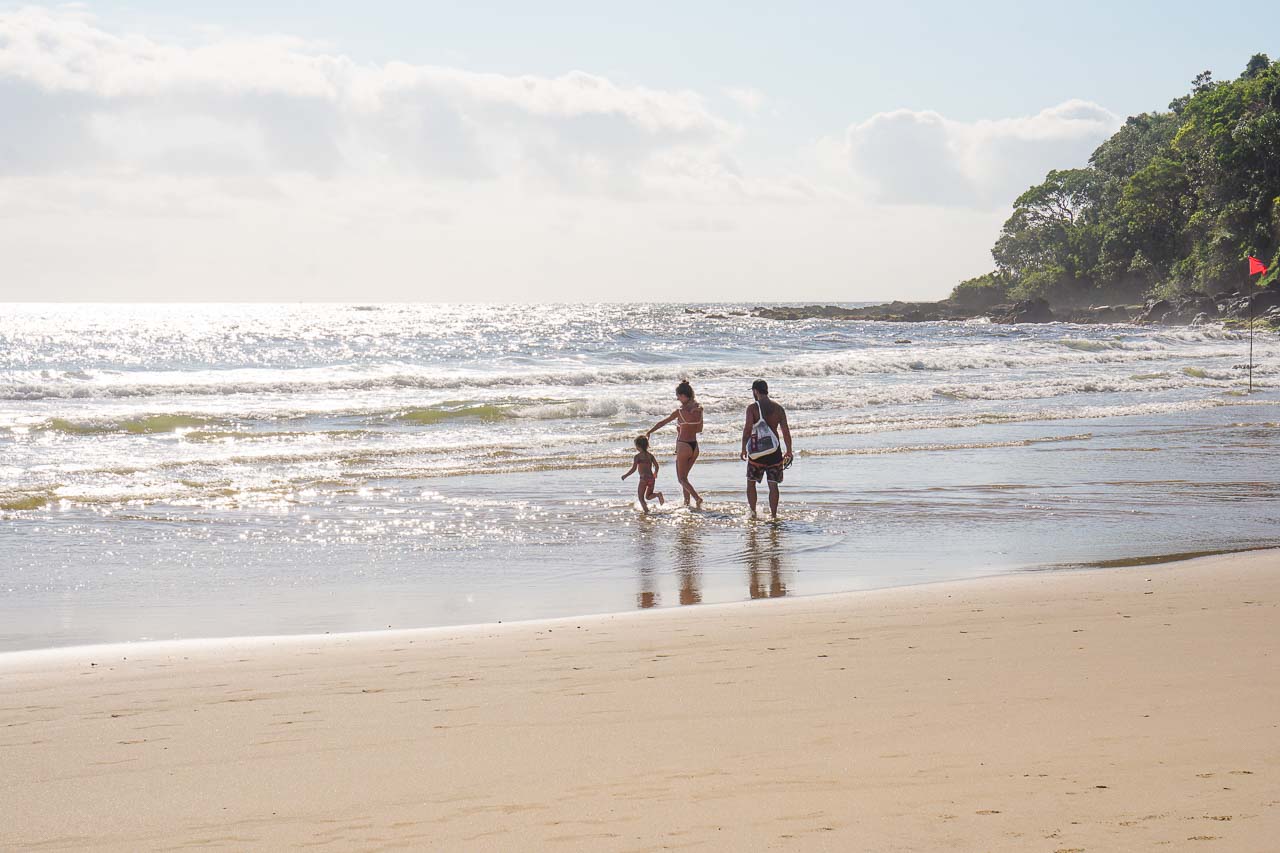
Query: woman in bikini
[[688, 420]]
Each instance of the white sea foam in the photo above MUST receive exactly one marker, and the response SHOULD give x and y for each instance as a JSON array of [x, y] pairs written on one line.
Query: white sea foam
[[866, 361], [117, 405]]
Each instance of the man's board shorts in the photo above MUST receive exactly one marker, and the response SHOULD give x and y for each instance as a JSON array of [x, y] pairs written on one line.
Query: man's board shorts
[[766, 466]]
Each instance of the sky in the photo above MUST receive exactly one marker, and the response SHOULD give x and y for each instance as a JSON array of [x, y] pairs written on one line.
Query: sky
[[558, 151]]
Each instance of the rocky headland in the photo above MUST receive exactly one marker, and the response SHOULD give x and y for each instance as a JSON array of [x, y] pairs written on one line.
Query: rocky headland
[[1228, 308]]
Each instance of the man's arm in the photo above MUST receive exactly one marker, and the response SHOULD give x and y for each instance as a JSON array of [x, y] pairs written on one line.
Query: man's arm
[[746, 431], [786, 432]]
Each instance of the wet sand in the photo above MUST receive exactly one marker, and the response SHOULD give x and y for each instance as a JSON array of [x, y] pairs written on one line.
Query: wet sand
[[1092, 710]]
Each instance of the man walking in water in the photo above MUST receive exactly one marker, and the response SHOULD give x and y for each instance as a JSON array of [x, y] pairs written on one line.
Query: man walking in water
[[760, 446]]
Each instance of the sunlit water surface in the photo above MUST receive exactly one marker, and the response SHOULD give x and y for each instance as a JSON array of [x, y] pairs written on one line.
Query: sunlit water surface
[[186, 471]]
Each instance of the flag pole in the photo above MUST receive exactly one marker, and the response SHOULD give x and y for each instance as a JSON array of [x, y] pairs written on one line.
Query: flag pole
[[1256, 267]]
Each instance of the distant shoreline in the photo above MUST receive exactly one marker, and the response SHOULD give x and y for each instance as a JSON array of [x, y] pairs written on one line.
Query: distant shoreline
[[1226, 308]]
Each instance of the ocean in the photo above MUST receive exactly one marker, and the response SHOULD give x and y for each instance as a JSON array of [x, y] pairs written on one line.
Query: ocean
[[175, 471]]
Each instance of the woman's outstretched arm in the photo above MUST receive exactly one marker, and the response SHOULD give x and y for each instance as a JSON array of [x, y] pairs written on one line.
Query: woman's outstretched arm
[[660, 424]]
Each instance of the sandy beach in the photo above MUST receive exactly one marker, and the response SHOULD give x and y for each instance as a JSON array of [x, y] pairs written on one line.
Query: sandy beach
[[495, 427], [1084, 710]]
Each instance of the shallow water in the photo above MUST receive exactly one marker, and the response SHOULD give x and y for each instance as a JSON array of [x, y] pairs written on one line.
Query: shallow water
[[179, 471]]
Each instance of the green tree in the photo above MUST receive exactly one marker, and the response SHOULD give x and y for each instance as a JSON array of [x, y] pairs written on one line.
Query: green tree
[[1258, 63], [1169, 204], [1048, 245], [981, 293]]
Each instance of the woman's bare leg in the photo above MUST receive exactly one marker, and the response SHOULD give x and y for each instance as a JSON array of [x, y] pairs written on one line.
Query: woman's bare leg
[[684, 463], [682, 469], [696, 497]]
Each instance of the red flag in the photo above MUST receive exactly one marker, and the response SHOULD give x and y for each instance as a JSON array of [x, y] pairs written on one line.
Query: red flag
[[1256, 266]]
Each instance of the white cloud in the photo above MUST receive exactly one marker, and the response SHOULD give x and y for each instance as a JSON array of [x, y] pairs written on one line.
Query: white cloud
[[749, 99], [233, 168], [78, 98], [922, 157]]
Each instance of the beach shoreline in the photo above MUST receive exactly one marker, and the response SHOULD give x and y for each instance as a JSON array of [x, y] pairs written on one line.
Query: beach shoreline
[[19, 659], [1065, 710]]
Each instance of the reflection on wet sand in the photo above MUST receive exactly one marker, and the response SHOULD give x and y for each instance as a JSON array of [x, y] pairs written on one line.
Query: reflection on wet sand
[[767, 575], [646, 557], [688, 561], [764, 554]]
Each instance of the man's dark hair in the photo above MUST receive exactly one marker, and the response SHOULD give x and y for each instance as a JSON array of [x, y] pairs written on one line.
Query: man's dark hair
[[761, 386]]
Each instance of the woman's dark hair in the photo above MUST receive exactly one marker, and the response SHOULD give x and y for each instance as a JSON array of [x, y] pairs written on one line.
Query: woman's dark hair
[[642, 442], [685, 388]]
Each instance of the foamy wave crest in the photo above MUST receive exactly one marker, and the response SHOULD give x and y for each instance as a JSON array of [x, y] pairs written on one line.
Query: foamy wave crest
[[452, 411], [143, 425], [281, 470], [238, 480], [331, 419], [869, 360]]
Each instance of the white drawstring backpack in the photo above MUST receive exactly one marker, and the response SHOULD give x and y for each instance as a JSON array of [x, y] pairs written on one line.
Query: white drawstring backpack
[[763, 442]]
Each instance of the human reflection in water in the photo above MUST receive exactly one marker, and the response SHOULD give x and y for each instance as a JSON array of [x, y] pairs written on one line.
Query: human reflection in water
[[764, 554], [688, 560], [646, 564]]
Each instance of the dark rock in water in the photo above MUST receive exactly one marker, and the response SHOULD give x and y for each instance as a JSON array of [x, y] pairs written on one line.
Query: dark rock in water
[[1238, 307], [1235, 307], [1027, 311], [890, 312], [1155, 310], [1176, 312], [1265, 300], [1195, 308], [1208, 305], [1180, 312], [828, 312], [903, 341], [1103, 314]]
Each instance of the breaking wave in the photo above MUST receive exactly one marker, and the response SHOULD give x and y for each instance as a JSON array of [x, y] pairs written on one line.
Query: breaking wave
[[866, 362]]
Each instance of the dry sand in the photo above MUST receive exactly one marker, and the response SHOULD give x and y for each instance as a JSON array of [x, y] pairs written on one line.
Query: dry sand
[[1103, 710]]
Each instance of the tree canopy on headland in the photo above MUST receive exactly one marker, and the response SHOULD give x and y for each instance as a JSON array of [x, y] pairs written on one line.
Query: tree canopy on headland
[[1168, 206]]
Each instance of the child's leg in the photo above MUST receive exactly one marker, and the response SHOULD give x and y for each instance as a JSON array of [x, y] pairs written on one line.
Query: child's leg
[[641, 488], [653, 494]]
